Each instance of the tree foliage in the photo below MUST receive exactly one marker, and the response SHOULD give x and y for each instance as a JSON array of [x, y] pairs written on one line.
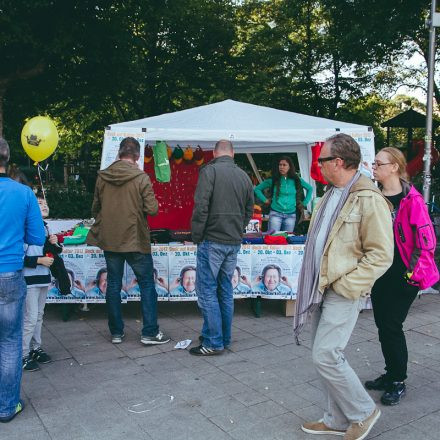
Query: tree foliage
[[91, 63]]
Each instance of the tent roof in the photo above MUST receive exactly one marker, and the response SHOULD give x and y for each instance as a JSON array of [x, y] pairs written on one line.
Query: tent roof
[[409, 119], [240, 122]]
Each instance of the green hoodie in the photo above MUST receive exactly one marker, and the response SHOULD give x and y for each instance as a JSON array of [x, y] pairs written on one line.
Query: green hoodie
[[285, 200]]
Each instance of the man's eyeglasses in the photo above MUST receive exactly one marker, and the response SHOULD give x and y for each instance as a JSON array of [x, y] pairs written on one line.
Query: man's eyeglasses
[[326, 159], [379, 164]]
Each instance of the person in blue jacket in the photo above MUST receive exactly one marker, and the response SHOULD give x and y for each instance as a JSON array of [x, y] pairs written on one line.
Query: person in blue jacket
[[20, 223], [286, 194]]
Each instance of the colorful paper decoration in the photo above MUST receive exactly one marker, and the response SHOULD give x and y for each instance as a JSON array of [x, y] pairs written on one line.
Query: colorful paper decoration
[[188, 154], [169, 151], [198, 156], [148, 155], [178, 155]]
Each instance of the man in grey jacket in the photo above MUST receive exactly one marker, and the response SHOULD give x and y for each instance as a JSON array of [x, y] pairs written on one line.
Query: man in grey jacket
[[223, 206]]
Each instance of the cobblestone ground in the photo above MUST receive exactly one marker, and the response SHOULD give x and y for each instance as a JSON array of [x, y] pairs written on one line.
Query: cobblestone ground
[[263, 388]]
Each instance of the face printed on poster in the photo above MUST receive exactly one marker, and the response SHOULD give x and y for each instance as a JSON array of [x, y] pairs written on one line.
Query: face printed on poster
[[74, 261], [272, 274], [241, 278], [95, 274], [182, 273], [160, 276]]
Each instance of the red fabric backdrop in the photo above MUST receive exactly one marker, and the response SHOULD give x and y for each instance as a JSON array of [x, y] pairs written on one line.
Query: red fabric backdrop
[[176, 198], [315, 171]]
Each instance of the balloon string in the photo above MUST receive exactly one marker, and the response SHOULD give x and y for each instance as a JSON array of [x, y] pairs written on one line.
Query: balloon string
[[40, 168]]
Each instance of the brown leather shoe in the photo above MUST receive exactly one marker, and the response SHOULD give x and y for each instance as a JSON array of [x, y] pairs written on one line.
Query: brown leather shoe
[[359, 430], [320, 428]]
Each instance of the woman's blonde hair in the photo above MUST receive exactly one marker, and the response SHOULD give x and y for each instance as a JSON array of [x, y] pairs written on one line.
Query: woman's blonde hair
[[397, 157]]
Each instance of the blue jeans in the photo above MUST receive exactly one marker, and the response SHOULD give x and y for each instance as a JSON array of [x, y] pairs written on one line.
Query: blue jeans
[[142, 265], [281, 222], [12, 295], [216, 263]]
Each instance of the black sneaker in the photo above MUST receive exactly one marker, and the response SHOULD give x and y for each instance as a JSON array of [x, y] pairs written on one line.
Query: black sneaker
[[395, 391], [41, 356], [380, 383], [29, 363], [204, 351], [160, 338], [18, 409]]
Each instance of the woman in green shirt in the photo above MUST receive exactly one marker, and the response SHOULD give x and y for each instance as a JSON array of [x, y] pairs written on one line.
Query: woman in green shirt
[[286, 194]]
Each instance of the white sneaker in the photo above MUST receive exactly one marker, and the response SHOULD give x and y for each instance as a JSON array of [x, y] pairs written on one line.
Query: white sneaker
[[117, 339]]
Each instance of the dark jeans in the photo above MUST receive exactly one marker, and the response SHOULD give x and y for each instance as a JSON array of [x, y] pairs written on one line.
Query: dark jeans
[[392, 297], [216, 263], [142, 265]]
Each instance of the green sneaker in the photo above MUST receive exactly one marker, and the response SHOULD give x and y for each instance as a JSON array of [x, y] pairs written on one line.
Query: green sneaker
[[18, 409]]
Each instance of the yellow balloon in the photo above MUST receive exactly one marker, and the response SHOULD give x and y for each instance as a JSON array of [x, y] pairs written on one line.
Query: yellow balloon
[[39, 138]]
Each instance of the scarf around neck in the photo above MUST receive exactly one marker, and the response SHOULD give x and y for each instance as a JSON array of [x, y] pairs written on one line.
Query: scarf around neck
[[309, 297]]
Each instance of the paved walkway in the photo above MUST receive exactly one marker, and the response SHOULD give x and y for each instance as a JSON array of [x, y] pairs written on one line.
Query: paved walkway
[[263, 388]]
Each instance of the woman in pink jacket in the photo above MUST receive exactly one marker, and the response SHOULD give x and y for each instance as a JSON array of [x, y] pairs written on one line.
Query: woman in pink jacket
[[413, 269]]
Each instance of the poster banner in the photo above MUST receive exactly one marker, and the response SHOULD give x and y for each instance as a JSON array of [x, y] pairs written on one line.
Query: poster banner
[[160, 274], [269, 271], [182, 273], [297, 258], [160, 271], [366, 142], [241, 279], [74, 261], [272, 274], [95, 276], [112, 139]]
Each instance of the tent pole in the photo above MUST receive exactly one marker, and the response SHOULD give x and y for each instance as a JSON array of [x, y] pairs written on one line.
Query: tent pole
[[254, 167]]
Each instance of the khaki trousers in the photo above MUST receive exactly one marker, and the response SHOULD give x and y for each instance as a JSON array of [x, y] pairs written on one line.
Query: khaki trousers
[[332, 325]]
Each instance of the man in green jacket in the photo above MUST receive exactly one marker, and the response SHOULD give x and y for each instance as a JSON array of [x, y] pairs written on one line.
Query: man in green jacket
[[123, 198]]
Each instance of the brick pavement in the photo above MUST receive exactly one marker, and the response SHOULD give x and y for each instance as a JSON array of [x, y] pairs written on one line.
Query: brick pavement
[[263, 388]]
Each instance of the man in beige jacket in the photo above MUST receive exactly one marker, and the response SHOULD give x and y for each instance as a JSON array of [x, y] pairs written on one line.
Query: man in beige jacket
[[123, 199], [350, 245]]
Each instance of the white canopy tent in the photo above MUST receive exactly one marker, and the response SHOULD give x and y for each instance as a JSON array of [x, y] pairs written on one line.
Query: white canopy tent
[[251, 128]]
